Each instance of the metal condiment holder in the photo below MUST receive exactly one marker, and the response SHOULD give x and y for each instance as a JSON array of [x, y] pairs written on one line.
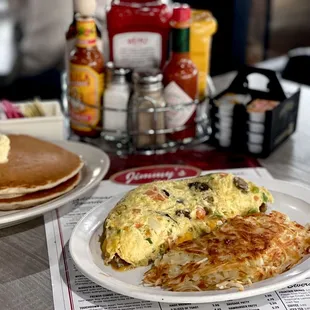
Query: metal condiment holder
[[109, 139]]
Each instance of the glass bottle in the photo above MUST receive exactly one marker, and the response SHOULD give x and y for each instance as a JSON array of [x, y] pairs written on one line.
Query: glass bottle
[[181, 77], [71, 33], [148, 94], [86, 81], [116, 96]]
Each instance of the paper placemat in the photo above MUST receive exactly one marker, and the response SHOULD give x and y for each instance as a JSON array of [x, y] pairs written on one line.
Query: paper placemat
[[73, 291]]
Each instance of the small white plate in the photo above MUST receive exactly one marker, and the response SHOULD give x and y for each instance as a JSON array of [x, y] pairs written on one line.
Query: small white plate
[[96, 165], [85, 250]]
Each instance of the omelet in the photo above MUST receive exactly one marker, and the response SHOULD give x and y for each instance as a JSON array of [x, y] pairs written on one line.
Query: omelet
[[154, 216]]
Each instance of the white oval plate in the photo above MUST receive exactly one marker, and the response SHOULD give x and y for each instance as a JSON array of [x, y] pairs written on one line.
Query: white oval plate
[[96, 165], [290, 199]]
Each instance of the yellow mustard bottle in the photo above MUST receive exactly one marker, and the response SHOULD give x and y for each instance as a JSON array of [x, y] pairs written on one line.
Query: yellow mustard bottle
[[203, 27]]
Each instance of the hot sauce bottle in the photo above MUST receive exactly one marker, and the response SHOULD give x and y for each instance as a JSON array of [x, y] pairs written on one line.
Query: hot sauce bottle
[[86, 80], [181, 77], [79, 9], [138, 33]]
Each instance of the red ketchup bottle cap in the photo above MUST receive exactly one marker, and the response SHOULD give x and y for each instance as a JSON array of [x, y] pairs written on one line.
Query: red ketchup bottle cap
[[181, 13]]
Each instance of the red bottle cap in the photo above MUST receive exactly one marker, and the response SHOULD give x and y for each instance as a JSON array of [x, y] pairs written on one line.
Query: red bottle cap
[[181, 13]]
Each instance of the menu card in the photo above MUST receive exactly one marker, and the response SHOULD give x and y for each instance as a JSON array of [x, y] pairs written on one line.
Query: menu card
[[73, 291]]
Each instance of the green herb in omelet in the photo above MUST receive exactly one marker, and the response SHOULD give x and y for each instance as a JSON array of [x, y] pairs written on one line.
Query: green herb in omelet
[[265, 198], [210, 176], [149, 240], [255, 190]]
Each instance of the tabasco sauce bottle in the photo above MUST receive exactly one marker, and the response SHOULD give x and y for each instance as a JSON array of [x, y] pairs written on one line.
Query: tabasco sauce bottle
[[181, 78], [86, 78]]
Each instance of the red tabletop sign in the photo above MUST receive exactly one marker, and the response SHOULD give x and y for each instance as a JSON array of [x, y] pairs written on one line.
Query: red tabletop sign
[[148, 174]]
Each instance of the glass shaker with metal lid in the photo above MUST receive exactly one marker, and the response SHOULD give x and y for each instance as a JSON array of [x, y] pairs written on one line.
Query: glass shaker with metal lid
[[144, 121], [115, 101]]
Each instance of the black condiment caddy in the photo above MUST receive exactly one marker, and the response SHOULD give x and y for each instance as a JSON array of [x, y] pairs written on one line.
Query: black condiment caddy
[[278, 124]]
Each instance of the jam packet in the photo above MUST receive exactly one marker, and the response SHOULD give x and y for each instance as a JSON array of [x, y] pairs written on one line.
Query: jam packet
[[9, 110]]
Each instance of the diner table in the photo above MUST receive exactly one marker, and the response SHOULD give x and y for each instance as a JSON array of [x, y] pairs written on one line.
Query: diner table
[[25, 281]]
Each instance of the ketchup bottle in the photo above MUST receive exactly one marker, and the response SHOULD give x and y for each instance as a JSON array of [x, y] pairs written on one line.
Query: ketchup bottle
[[138, 33], [181, 77]]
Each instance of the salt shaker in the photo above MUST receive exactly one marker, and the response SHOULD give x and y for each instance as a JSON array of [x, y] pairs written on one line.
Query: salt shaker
[[116, 97], [144, 118]]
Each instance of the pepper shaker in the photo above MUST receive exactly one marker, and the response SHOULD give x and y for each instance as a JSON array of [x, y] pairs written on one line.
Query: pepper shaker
[[144, 119]]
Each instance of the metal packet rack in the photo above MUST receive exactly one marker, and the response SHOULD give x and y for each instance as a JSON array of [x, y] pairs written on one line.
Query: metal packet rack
[[123, 142]]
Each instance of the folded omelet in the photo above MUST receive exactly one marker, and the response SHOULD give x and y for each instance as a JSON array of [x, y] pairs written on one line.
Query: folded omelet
[[155, 216]]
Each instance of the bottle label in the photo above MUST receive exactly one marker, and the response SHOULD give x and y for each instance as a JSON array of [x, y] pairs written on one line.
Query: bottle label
[[86, 33], [175, 95], [137, 49], [180, 40], [70, 46], [85, 95]]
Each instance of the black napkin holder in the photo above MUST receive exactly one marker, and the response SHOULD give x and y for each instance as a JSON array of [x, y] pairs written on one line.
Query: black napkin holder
[[279, 123]]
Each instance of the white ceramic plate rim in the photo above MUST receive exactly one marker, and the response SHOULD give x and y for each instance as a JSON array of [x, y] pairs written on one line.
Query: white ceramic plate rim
[[80, 240], [12, 217]]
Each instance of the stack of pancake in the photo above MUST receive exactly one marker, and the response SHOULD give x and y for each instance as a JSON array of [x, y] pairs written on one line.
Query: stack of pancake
[[36, 171]]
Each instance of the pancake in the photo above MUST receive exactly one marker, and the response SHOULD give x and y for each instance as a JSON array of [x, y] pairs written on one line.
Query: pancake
[[33, 199], [10, 196], [35, 165]]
